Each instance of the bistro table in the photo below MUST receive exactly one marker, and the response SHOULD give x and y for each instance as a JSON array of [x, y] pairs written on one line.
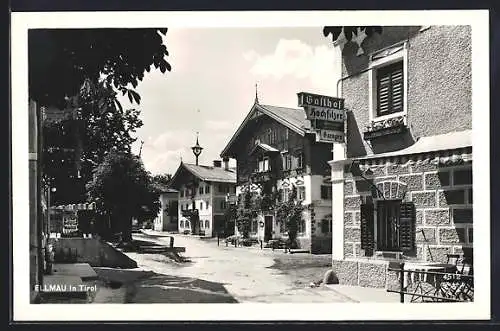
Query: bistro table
[[425, 279]]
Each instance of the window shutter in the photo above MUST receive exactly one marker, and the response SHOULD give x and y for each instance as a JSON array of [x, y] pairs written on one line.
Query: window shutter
[[407, 220], [367, 231], [390, 89]]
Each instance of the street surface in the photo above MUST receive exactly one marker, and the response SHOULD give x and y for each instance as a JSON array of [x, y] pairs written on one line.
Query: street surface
[[231, 274]]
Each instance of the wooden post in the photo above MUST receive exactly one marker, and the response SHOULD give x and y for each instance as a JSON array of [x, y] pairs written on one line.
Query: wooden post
[[171, 242], [401, 283]]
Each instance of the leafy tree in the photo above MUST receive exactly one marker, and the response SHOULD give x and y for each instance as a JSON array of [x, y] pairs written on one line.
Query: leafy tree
[[289, 213], [349, 31], [162, 179], [122, 189], [73, 58], [87, 68], [247, 211], [74, 146]]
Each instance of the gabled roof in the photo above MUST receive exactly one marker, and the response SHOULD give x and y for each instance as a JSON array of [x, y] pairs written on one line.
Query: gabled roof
[[165, 189], [292, 118], [265, 147], [205, 173]]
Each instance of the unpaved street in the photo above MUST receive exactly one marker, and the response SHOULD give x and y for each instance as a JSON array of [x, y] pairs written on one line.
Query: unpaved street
[[243, 272]]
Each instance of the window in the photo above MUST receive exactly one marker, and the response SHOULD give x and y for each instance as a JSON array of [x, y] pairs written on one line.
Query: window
[[300, 161], [182, 224], [201, 224], [394, 226], [207, 189], [182, 207], [388, 82], [253, 226], [264, 164], [285, 194], [287, 162], [207, 224], [302, 226], [201, 190], [269, 136], [182, 193], [207, 204], [222, 188], [301, 192], [223, 205], [326, 192], [201, 205], [390, 90], [326, 225]]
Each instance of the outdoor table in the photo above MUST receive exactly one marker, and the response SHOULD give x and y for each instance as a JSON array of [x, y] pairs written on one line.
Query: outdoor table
[[419, 274]]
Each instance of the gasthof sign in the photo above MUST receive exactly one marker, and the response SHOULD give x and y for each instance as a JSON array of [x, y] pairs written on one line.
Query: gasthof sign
[[321, 101], [330, 136], [324, 114]]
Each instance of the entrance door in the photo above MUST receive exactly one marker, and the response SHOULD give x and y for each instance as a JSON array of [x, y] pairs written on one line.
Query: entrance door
[[268, 228]]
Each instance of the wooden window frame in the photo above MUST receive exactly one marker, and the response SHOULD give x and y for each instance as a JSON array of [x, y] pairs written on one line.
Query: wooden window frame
[[379, 63], [389, 71]]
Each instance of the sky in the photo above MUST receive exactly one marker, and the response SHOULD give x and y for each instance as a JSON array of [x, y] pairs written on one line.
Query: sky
[[211, 86]]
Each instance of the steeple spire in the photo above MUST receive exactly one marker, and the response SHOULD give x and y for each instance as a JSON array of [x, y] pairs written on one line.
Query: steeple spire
[[256, 94]]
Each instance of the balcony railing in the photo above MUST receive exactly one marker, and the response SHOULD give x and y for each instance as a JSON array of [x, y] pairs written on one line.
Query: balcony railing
[[259, 177]]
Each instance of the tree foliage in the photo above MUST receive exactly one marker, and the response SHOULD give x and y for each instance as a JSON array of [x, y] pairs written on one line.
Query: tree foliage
[[162, 179], [63, 61], [349, 31], [122, 189], [247, 211], [75, 145], [289, 213]]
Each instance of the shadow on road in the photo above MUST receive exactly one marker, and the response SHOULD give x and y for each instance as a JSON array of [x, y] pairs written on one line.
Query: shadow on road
[[159, 288], [150, 287]]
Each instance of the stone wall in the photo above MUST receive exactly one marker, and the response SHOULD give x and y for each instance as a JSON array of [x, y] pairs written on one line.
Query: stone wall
[[443, 200], [367, 273]]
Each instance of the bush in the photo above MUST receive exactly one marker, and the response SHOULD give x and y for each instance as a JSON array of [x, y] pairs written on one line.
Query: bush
[[232, 239], [249, 242]]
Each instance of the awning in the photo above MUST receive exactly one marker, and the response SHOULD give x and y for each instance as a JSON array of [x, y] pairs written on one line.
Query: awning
[[75, 207], [446, 149]]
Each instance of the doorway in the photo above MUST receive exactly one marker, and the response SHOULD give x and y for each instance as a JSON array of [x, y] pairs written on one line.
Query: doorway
[[268, 227]]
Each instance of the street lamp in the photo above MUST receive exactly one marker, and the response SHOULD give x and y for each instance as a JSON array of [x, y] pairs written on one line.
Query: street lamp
[[197, 149]]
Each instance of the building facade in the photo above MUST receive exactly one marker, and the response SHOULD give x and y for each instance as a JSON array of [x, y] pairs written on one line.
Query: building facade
[[202, 197], [275, 151], [404, 178], [168, 216]]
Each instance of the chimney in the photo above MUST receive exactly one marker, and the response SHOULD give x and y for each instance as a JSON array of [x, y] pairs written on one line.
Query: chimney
[[226, 163], [217, 164]]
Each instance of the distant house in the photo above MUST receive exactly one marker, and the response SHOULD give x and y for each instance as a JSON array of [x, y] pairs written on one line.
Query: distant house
[[202, 192], [275, 150], [168, 215]]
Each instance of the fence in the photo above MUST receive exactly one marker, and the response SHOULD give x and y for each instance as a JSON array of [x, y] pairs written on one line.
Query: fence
[[433, 286]]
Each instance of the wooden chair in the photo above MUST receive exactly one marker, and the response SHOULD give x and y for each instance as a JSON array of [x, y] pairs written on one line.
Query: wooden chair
[[452, 259]]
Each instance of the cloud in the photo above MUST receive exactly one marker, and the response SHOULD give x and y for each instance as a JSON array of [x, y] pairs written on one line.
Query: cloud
[[162, 154], [296, 59]]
